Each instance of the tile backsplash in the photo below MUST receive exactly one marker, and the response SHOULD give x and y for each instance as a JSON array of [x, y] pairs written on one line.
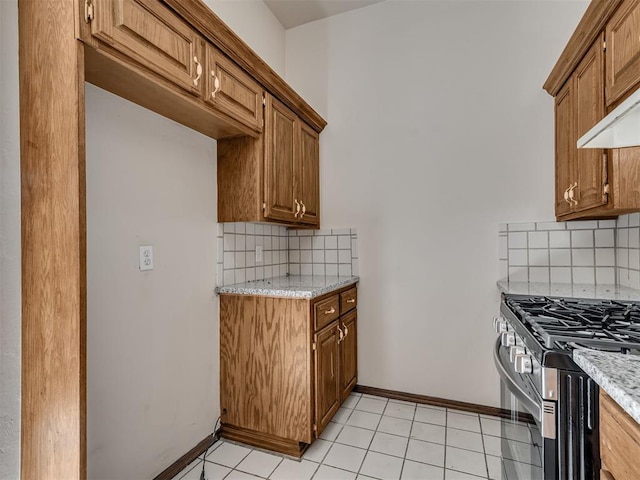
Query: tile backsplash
[[628, 251], [323, 252], [237, 252], [298, 252], [559, 252]]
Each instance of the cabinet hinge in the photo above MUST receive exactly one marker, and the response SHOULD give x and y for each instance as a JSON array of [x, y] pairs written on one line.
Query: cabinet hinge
[[604, 45], [88, 11], [606, 189], [315, 427], [264, 206], [313, 346], [264, 101]]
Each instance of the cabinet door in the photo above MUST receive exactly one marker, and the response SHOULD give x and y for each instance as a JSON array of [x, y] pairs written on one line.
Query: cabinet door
[[150, 34], [232, 91], [349, 354], [281, 138], [327, 375], [623, 50], [309, 174], [565, 146], [590, 168]]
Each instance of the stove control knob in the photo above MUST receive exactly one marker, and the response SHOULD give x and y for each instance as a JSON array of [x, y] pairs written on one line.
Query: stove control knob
[[508, 339], [513, 351], [523, 364], [499, 324]]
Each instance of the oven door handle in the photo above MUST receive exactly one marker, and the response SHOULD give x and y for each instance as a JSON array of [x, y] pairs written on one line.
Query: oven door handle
[[529, 403]]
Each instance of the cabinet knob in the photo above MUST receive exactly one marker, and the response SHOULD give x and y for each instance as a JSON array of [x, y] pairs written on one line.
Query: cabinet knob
[[330, 311], [297, 208], [198, 72], [216, 84]]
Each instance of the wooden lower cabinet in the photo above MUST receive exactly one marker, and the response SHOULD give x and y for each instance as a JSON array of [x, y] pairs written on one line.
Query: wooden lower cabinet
[[281, 378], [619, 441], [348, 354], [328, 385]]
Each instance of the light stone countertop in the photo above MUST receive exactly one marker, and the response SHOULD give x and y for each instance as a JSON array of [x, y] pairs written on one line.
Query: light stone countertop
[[608, 292], [616, 373], [291, 286]]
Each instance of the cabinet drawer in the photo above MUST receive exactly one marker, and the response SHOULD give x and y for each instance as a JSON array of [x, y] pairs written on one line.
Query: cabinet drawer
[[326, 312], [150, 34], [619, 440], [348, 300]]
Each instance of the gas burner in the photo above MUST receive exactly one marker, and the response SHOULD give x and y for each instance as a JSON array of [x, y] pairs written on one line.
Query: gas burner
[[564, 323]]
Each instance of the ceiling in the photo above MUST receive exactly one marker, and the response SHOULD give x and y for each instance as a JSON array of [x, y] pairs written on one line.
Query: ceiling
[[292, 13]]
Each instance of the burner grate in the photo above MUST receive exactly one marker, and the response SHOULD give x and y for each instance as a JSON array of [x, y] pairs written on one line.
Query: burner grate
[[565, 323]]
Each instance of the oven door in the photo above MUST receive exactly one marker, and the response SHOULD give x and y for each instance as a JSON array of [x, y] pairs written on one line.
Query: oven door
[[521, 442]]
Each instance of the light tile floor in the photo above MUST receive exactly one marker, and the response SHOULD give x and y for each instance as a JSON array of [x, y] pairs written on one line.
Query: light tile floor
[[375, 438]]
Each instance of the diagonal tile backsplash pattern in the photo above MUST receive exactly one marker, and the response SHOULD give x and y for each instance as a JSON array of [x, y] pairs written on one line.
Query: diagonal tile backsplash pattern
[[298, 252]]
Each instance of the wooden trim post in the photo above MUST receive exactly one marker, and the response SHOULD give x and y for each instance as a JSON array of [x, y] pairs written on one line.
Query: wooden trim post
[[52, 156]]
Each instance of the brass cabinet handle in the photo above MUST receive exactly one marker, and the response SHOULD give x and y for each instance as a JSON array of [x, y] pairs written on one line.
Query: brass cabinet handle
[[304, 209], [566, 196], [346, 330], [341, 333], [351, 300], [573, 202], [330, 311], [216, 84], [297, 208], [198, 72]]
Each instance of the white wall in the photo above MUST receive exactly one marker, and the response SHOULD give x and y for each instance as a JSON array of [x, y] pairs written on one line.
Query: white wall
[[153, 356], [254, 23], [438, 129], [9, 243]]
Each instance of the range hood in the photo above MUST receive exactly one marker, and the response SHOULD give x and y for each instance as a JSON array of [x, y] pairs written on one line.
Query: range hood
[[621, 128]]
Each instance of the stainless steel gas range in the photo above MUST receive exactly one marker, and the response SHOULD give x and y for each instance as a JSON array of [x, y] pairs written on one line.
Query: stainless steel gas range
[[542, 385]]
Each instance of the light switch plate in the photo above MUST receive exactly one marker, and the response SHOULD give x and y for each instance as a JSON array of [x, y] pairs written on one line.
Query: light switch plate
[[146, 257]]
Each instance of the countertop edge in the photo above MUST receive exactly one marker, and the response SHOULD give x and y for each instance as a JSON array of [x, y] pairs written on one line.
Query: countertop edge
[[298, 292], [572, 290], [617, 392]]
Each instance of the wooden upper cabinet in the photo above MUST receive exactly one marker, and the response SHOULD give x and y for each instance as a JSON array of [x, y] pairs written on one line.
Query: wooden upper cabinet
[[328, 389], [309, 177], [565, 147], [274, 177], [232, 91], [623, 50], [150, 34], [590, 164], [280, 161], [598, 69], [581, 174]]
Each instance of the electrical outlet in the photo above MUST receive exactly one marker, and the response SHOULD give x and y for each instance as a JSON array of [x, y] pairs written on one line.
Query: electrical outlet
[[259, 254], [146, 257]]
